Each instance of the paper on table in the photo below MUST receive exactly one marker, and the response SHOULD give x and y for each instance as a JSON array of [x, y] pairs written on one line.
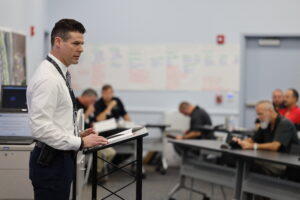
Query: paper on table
[[105, 125], [127, 124]]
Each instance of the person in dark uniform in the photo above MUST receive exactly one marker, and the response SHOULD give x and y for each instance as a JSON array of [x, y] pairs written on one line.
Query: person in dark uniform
[[276, 133], [199, 117], [109, 106], [52, 114], [86, 102]]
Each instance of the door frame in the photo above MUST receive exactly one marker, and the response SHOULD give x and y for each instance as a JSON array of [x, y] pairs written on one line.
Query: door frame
[[243, 67]]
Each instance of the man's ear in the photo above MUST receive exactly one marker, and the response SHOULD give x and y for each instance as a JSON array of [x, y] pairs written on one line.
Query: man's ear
[[57, 42]]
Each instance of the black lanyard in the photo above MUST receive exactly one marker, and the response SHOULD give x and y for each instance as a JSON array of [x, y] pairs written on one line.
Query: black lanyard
[[68, 86]]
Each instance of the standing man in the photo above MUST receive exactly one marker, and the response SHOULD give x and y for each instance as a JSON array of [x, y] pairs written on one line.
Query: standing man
[[51, 106]]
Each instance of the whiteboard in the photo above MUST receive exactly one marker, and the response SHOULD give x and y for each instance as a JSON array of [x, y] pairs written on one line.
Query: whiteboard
[[192, 67]]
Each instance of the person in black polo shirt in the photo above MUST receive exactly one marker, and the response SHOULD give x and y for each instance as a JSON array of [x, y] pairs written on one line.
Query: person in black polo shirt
[[109, 106], [199, 117], [86, 102], [276, 133]]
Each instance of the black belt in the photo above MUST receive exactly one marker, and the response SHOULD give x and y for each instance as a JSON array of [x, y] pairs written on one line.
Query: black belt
[[40, 145]]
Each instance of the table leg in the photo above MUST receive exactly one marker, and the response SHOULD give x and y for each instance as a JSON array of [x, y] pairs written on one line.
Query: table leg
[[139, 175], [94, 176], [238, 180]]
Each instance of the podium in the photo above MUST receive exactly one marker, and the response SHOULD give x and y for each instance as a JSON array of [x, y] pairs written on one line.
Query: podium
[[138, 137]]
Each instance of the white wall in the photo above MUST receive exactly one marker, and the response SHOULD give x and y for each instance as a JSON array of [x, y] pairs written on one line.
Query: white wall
[[19, 15], [176, 21], [153, 22]]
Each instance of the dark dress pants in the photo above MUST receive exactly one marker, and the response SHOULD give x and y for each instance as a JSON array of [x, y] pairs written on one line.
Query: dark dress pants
[[52, 182]]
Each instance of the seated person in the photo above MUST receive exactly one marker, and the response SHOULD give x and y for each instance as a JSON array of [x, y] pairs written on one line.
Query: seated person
[[276, 133], [278, 103], [199, 117], [277, 99], [86, 102], [292, 111], [109, 106]]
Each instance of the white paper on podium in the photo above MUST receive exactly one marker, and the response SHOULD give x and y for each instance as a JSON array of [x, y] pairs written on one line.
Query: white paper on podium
[[120, 136], [105, 125]]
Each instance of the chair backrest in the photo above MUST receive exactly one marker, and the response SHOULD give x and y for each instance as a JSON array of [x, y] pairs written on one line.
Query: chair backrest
[[177, 121]]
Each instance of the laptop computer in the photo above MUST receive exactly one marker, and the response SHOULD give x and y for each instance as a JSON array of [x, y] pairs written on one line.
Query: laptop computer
[[14, 127], [13, 97]]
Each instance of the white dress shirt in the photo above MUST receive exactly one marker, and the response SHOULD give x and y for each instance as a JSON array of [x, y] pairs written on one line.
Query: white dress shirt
[[50, 107]]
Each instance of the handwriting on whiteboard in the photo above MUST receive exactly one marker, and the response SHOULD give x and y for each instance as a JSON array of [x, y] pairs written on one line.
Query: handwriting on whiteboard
[[159, 67]]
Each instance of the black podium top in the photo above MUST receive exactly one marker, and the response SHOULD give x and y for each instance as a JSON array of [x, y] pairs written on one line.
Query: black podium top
[[97, 148]]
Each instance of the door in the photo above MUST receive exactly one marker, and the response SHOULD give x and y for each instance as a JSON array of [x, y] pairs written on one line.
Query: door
[[269, 63]]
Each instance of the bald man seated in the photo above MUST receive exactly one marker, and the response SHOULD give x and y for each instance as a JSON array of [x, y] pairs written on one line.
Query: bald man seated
[[199, 117]]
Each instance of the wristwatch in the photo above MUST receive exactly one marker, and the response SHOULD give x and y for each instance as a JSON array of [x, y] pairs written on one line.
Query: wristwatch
[[255, 146]]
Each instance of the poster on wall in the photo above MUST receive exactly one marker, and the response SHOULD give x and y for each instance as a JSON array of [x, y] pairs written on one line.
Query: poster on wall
[[12, 58]]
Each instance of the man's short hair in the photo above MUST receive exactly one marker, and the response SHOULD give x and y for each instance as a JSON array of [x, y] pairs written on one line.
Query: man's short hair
[[268, 105], [184, 105], [295, 93], [106, 87], [63, 27], [89, 92]]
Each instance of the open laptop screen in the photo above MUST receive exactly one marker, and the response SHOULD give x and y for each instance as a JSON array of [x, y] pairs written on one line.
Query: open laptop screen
[[13, 96], [14, 124]]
